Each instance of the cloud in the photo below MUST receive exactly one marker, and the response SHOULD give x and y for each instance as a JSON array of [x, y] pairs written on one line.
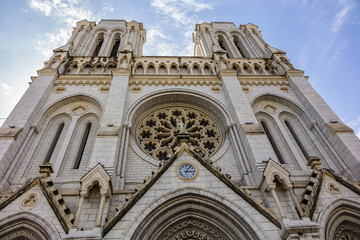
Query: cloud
[[63, 12], [355, 124], [340, 17], [180, 10], [160, 44], [5, 89], [179, 18]]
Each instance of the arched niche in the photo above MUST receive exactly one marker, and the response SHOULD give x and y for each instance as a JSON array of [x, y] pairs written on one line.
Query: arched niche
[[177, 98], [194, 216], [340, 220], [69, 100], [29, 226]]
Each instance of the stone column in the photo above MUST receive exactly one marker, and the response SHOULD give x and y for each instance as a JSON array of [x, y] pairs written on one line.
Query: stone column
[[78, 212], [277, 202], [251, 135], [103, 195], [295, 201], [106, 142]]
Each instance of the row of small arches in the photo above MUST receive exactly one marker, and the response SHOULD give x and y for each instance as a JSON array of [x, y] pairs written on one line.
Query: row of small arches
[[185, 69]]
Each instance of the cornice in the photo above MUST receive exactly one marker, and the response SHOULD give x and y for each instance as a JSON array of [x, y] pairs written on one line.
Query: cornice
[[175, 80], [77, 80], [263, 80]]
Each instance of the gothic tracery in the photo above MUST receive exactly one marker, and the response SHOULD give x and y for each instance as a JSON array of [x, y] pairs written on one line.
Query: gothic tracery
[[156, 132]]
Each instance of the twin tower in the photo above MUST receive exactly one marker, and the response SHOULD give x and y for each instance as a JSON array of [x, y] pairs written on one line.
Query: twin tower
[[231, 143]]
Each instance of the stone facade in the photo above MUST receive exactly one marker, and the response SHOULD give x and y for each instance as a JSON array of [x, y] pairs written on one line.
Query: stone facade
[[232, 143]]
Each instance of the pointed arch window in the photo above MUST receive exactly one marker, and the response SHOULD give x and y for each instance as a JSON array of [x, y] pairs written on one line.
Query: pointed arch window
[[82, 146], [100, 41], [297, 140], [272, 142], [223, 45], [54, 143], [238, 45], [116, 45]]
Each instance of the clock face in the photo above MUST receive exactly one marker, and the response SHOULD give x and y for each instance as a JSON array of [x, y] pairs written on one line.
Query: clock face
[[187, 171]]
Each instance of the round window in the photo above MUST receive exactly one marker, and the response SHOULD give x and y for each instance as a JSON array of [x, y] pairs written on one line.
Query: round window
[[157, 131]]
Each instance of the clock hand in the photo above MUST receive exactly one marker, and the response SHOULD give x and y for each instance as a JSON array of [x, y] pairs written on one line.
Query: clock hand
[[188, 169]]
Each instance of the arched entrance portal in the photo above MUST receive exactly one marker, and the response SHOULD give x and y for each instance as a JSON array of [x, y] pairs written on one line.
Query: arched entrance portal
[[191, 216]]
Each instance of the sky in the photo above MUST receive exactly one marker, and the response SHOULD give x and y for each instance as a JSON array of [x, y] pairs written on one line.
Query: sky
[[321, 37]]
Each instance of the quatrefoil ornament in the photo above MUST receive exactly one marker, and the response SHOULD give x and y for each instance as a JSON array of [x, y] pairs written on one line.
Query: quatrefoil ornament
[[30, 201]]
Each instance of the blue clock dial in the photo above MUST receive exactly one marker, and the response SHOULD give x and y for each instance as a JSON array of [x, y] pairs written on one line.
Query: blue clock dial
[[187, 171]]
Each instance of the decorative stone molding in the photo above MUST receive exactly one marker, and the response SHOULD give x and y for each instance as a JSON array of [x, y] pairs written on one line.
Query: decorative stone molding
[[30, 201], [104, 89], [261, 82], [97, 175], [270, 107], [246, 89], [79, 110], [254, 66], [216, 89], [193, 229], [334, 189], [347, 231], [285, 89], [59, 90], [82, 83], [174, 81], [274, 171], [136, 89], [156, 132]]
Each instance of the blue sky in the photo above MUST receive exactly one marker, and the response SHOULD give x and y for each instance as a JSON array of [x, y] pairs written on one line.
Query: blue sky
[[321, 37]]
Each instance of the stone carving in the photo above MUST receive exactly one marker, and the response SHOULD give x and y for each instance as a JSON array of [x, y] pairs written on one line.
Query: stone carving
[[136, 89], [216, 89], [21, 234], [156, 132], [347, 231], [29, 202], [192, 229], [334, 189], [78, 110], [104, 89], [270, 107], [59, 89]]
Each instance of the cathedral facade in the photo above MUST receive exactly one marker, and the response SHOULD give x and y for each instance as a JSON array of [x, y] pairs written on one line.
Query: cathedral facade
[[231, 143]]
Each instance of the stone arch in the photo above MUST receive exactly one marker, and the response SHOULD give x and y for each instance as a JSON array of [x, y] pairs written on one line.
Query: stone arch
[[26, 225], [198, 100], [49, 143], [64, 108], [312, 137], [340, 218], [193, 212], [52, 107], [283, 100], [224, 43], [76, 143], [300, 134], [277, 140], [178, 96]]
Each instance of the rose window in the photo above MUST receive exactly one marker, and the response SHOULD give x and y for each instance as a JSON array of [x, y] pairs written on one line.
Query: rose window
[[158, 132]]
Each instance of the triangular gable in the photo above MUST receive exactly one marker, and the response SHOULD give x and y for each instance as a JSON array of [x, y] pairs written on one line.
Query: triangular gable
[[316, 183], [52, 195], [141, 190]]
